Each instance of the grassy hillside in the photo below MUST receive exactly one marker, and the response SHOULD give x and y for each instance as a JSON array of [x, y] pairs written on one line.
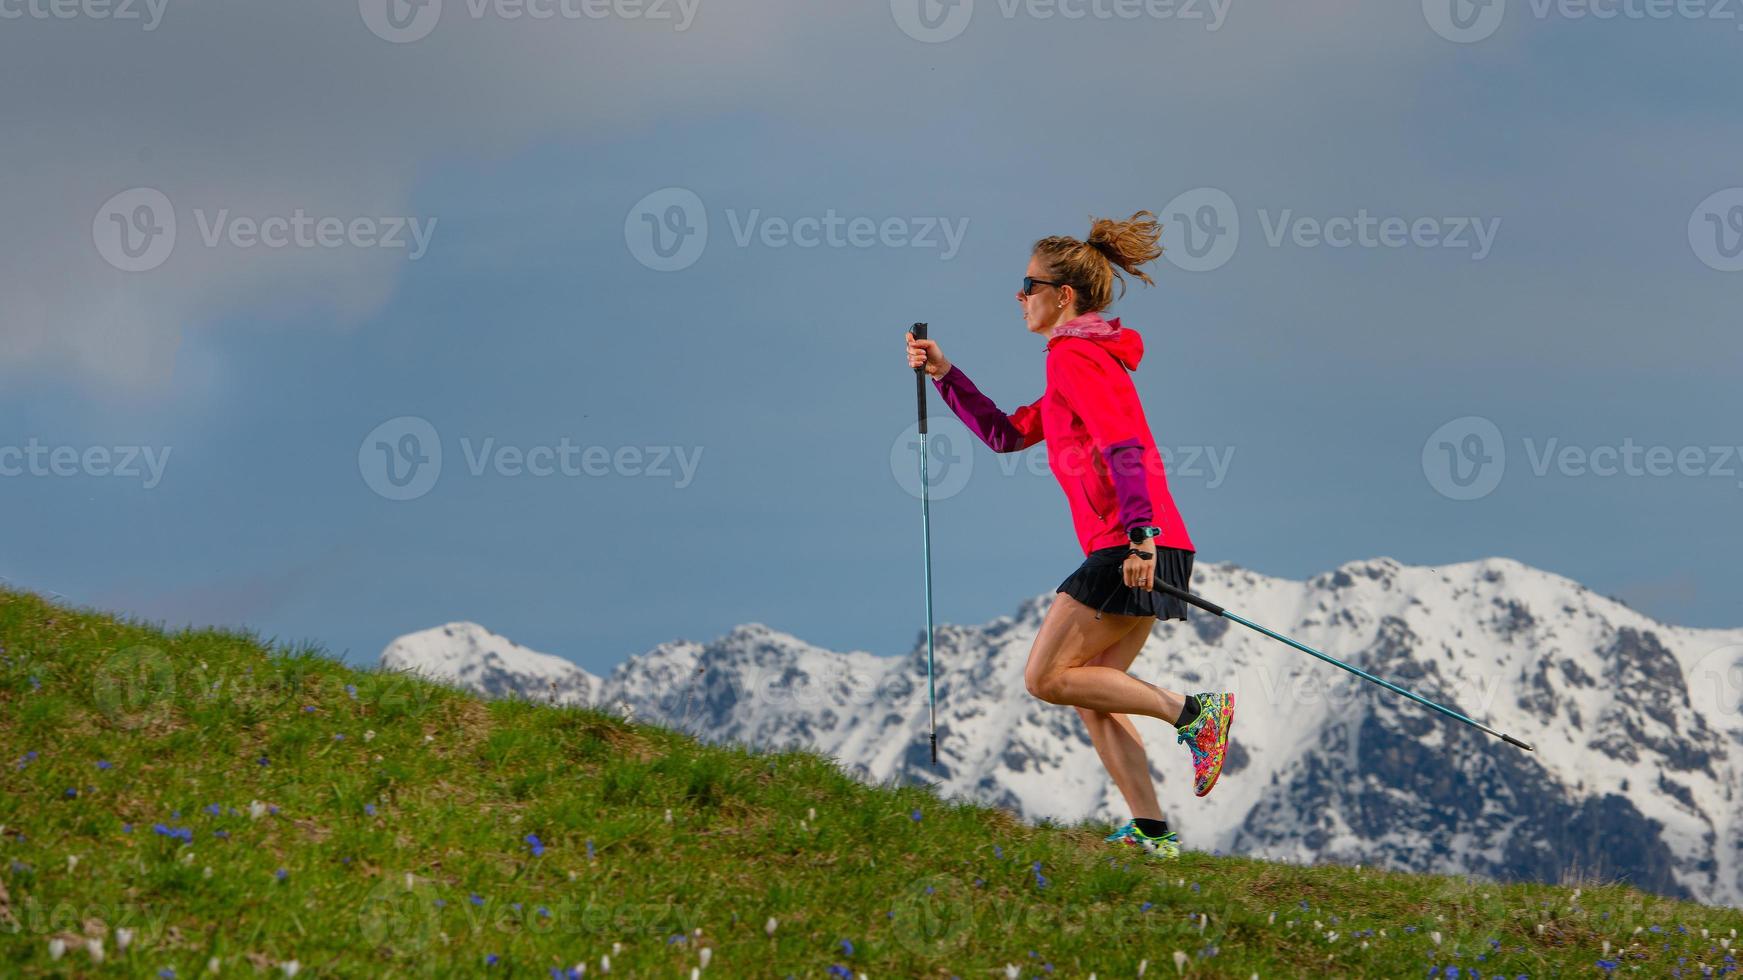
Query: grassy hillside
[[248, 807]]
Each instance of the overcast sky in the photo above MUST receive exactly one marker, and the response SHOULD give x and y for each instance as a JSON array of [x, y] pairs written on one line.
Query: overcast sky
[[1443, 282]]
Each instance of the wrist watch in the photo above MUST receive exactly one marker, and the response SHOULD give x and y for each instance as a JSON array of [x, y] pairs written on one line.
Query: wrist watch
[[1142, 533]]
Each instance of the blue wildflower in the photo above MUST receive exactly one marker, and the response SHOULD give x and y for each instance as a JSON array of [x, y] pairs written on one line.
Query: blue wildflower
[[214, 809], [71, 792], [532, 841], [308, 707], [167, 973], [127, 828], [915, 815], [369, 808], [847, 947], [589, 848], [476, 899], [544, 912], [104, 764], [1607, 965], [441, 903], [1144, 907], [351, 689], [281, 874], [490, 960]]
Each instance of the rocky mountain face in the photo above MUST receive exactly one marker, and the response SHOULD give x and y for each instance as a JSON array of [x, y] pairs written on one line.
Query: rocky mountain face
[[1638, 725]]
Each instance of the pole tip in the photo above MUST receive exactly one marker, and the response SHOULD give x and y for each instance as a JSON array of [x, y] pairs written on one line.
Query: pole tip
[[1524, 745]]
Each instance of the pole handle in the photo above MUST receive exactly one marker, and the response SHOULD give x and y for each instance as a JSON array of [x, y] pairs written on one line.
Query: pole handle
[[1199, 601], [919, 332]]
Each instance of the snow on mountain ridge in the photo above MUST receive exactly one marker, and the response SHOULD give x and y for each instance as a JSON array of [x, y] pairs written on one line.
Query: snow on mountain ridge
[[1638, 725]]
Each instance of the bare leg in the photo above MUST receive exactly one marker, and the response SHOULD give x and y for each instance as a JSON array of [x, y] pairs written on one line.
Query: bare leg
[[1115, 738], [1061, 669]]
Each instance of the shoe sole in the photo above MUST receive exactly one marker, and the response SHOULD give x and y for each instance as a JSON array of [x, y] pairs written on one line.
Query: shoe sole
[[1228, 726]]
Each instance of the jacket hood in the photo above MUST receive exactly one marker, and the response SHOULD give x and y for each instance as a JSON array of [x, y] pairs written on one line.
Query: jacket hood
[[1124, 343]]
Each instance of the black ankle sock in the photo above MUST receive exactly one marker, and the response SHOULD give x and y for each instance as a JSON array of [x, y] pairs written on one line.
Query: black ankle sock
[[1154, 828], [1187, 713]]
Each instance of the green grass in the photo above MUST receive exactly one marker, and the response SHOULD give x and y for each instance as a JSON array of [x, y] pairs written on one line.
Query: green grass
[[885, 881]]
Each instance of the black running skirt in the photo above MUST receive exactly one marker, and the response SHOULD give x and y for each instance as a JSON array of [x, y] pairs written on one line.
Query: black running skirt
[[1099, 584]]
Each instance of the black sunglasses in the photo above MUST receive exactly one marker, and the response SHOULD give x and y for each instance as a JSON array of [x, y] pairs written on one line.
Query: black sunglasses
[[1030, 282]]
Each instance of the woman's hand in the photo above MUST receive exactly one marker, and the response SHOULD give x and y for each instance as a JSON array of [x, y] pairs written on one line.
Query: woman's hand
[[1141, 572], [926, 352]]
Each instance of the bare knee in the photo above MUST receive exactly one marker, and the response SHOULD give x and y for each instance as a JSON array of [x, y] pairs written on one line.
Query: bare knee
[[1047, 687]]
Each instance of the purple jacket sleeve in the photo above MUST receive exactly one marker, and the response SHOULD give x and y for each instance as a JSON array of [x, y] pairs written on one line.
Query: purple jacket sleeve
[[1002, 433], [1125, 461]]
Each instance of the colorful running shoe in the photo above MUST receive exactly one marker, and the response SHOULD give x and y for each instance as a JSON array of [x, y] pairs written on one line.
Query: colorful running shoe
[[1208, 738], [1164, 846]]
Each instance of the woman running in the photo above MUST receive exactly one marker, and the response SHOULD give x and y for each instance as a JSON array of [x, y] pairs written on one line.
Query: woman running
[[1101, 451]]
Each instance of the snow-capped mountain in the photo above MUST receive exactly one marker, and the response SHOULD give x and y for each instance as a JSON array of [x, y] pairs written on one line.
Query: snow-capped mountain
[[1638, 725]]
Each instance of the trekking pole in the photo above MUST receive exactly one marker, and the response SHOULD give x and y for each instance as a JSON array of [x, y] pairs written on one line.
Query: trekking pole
[[919, 332], [1209, 606]]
